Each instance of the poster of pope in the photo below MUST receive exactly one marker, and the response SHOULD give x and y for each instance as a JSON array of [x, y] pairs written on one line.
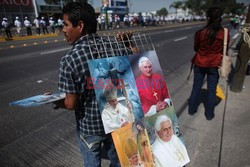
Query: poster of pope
[[150, 82], [114, 84]]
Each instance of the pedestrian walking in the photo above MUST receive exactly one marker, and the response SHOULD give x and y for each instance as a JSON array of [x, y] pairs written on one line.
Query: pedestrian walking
[[60, 25], [37, 24], [7, 27], [99, 22], [28, 26], [208, 45], [52, 25], [18, 25], [44, 25], [80, 31], [110, 21], [117, 21], [103, 22]]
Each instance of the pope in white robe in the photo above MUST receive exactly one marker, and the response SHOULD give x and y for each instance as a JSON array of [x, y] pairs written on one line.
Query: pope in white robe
[[168, 149], [114, 114]]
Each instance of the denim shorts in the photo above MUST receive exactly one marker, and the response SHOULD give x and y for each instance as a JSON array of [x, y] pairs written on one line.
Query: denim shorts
[[91, 147]]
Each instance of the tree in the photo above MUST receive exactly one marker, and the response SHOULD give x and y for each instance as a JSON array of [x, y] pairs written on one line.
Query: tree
[[162, 12], [228, 6], [176, 5]]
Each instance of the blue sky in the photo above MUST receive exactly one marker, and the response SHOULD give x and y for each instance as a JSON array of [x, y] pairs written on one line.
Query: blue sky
[[151, 5]]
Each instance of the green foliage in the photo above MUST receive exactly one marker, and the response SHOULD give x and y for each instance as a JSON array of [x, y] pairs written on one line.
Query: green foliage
[[176, 5], [228, 6], [162, 12]]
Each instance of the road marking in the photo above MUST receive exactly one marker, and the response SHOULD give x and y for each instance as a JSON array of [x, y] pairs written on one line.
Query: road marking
[[39, 81], [235, 36], [53, 51], [187, 28], [178, 39], [169, 31]]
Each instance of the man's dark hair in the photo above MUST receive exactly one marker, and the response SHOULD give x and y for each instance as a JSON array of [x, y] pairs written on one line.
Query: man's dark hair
[[81, 12]]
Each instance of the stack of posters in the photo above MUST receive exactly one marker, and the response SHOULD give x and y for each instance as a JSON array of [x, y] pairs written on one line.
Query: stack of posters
[[137, 109]]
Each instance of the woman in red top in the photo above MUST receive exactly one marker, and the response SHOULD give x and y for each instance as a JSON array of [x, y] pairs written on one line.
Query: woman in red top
[[209, 48]]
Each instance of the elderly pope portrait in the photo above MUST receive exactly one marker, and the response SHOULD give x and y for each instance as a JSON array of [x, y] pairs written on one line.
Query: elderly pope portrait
[[152, 88], [131, 153], [115, 114], [168, 149]]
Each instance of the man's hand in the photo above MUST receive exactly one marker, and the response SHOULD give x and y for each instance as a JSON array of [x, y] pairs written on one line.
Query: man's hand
[[126, 38], [160, 105], [70, 102], [59, 104], [125, 123], [129, 106], [122, 36]]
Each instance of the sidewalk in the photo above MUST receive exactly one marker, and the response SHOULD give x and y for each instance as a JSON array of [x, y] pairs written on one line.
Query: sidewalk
[[223, 141]]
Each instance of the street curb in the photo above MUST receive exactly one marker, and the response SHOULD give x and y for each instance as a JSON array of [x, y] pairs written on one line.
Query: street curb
[[106, 32], [28, 37]]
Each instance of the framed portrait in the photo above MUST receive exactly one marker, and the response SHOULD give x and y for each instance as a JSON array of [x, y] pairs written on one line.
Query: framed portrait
[[166, 140], [133, 145], [150, 82]]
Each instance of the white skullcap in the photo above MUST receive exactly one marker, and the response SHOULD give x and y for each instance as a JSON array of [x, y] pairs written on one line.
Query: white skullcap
[[142, 59], [16, 17], [161, 119], [51, 18], [26, 17], [42, 17], [110, 92]]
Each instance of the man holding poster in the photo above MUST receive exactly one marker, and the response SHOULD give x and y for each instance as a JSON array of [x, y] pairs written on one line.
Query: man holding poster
[[152, 88], [168, 149], [80, 31]]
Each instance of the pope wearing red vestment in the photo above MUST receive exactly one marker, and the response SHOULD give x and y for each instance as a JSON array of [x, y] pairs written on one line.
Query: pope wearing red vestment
[[152, 89]]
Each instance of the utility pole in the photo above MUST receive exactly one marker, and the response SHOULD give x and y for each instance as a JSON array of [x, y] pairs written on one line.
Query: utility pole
[[242, 61]]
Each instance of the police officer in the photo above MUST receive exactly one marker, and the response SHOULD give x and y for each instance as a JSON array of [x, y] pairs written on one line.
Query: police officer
[[18, 25], [28, 26], [6, 26]]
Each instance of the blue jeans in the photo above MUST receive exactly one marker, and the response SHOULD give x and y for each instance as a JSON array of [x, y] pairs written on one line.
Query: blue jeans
[[90, 147], [212, 81]]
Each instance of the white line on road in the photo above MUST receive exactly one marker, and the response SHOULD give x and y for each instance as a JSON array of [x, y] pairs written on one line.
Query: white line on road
[[169, 31], [187, 28], [178, 39], [235, 36], [53, 51]]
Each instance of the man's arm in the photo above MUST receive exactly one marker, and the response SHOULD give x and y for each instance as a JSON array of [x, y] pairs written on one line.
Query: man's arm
[[70, 102]]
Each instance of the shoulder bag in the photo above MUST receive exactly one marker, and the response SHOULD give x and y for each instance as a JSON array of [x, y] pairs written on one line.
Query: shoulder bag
[[225, 68]]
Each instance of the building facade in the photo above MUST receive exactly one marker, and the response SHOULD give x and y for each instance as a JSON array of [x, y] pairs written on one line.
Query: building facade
[[119, 7], [13, 8]]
